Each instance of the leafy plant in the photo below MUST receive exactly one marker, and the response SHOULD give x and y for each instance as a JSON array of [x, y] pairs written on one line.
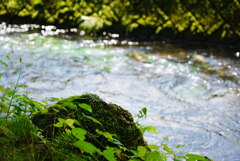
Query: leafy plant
[[206, 17]]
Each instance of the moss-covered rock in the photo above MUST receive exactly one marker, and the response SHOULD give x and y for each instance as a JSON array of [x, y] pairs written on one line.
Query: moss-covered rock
[[113, 119]]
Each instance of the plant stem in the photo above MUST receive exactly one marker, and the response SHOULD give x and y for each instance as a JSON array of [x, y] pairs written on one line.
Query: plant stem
[[14, 91]]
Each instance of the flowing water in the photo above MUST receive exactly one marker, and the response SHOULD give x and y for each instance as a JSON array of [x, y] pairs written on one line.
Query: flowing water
[[192, 93]]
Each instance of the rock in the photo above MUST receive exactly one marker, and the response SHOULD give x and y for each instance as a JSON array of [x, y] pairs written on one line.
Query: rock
[[113, 119]]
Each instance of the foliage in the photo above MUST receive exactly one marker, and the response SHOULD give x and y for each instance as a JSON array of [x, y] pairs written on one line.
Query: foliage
[[204, 17], [21, 139]]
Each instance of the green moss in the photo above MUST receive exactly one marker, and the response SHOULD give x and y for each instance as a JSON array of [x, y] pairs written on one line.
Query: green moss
[[113, 119]]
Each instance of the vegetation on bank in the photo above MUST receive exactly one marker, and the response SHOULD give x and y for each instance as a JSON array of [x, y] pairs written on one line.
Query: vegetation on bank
[[77, 128], [205, 17]]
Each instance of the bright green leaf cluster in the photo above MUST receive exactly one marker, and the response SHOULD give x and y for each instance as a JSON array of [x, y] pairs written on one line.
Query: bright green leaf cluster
[[204, 17]]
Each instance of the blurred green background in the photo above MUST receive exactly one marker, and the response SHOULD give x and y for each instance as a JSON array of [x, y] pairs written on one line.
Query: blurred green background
[[199, 19]]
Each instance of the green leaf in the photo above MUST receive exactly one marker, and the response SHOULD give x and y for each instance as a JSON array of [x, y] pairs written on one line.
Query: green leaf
[[70, 105], [61, 120], [149, 129], [154, 156], [133, 26], [54, 98], [154, 147], [158, 29], [167, 149], [22, 86], [1, 89], [142, 113], [34, 14], [60, 123], [93, 119], [70, 122], [163, 156], [87, 147], [45, 111], [109, 153], [20, 60], [85, 107], [8, 57], [195, 157], [3, 107], [3, 63], [68, 131], [141, 152], [179, 146], [45, 102], [79, 133], [36, 2], [181, 157], [56, 110], [105, 134], [116, 141]]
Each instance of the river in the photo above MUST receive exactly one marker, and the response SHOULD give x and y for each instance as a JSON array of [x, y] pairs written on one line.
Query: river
[[192, 92]]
